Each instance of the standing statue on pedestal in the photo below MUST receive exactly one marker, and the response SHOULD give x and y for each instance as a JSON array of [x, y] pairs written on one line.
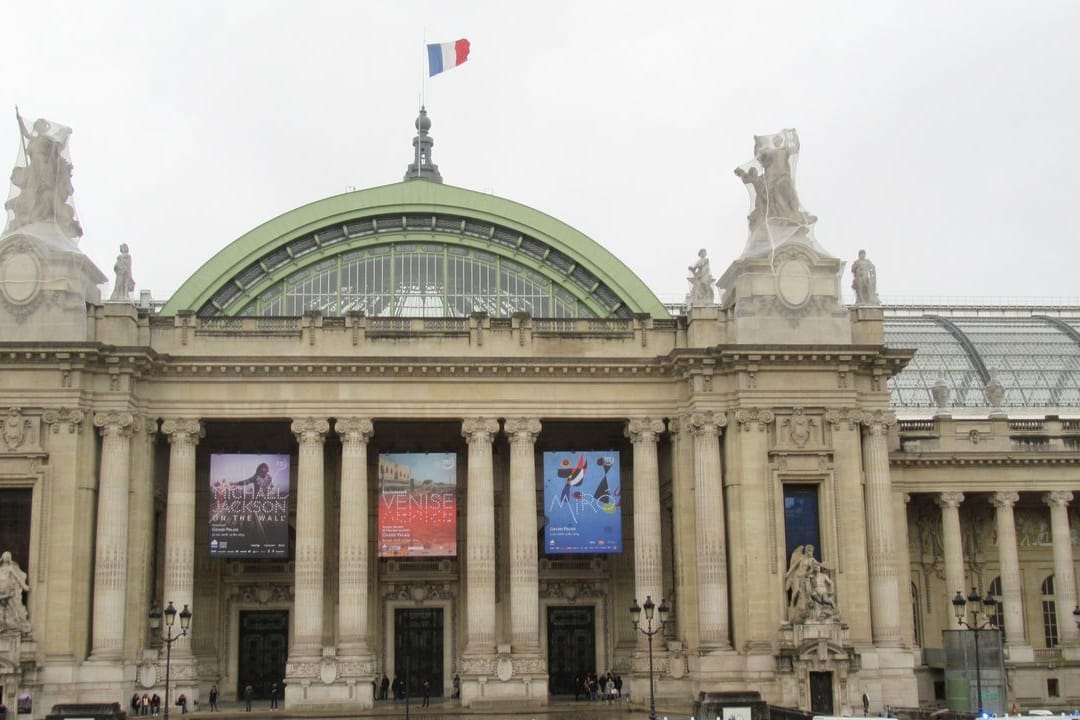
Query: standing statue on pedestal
[[777, 215], [13, 617], [864, 281], [701, 281], [43, 177], [125, 283]]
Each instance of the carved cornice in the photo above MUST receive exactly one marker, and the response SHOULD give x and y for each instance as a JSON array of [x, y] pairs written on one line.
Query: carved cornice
[[355, 429], [902, 459]]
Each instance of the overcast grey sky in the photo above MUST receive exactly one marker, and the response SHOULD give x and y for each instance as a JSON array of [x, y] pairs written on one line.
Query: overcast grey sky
[[939, 136]]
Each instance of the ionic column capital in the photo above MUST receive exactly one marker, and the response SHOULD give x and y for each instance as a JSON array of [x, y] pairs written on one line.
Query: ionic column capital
[[115, 423], [522, 429], [949, 500], [1058, 498], [644, 430], [1005, 499], [358, 429], [705, 423], [878, 422], [754, 418], [310, 430], [61, 417], [183, 430], [479, 430], [844, 416]]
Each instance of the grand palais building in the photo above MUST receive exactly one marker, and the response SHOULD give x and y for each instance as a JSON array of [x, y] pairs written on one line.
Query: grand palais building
[[427, 432]]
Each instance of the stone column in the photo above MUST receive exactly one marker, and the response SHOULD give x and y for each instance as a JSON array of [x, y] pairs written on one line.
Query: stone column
[[480, 537], [949, 502], [880, 539], [353, 559], [1064, 574], [709, 520], [184, 435], [524, 571], [648, 563], [310, 515], [111, 545], [1009, 559]]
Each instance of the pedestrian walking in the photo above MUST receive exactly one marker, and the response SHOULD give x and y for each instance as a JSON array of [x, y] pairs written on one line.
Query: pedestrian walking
[[213, 698], [249, 695]]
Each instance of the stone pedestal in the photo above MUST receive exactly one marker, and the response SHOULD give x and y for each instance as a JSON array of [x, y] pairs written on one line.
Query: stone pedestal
[[790, 296], [45, 286]]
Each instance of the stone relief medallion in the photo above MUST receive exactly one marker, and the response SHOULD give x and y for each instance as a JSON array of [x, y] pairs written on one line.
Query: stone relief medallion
[[504, 669], [793, 282], [147, 675], [20, 278], [328, 671]]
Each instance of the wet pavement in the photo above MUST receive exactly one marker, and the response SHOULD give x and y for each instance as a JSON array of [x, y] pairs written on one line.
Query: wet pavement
[[556, 709]]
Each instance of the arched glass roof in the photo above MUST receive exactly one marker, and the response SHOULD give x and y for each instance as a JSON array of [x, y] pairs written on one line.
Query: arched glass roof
[[1034, 356], [415, 248]]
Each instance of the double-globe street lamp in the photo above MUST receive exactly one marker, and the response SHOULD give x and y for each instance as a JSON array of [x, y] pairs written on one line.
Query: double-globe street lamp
[[987, 606], [168, 637], [648, 631]]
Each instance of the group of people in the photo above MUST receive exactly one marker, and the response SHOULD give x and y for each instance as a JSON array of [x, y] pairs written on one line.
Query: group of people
[[598, 687], [399, 688], [145, 704]]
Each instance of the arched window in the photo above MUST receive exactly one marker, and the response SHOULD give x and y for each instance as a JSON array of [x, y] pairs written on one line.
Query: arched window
[[1049, 612], [916, 622]]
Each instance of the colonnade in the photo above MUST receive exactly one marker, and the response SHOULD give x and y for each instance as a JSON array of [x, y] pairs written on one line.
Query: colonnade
[[1009, 561]]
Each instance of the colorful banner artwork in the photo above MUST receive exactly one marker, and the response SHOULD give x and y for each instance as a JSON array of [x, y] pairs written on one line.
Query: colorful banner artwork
[[249, 505], [582, 502], [417, 505]]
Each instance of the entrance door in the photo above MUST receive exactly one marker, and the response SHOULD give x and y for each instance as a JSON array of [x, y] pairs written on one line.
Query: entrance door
[[571, 647], [264, 646], [821, 693], [418, 649]]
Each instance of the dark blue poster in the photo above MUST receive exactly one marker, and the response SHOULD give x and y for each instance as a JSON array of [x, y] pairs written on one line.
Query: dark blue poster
[[582, 502]]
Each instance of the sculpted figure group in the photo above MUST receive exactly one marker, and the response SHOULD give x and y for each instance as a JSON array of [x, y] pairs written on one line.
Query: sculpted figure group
[[810, 588]]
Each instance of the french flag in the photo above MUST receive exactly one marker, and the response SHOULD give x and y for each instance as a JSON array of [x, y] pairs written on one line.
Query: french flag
[[443, 56]]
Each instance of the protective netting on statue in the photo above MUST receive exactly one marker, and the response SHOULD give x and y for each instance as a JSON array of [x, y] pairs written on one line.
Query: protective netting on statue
[[41, 189], [777, 216]]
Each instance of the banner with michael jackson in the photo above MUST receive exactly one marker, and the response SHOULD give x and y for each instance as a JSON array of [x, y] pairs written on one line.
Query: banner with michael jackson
[[417, 504], [249, 505], [582, 502]]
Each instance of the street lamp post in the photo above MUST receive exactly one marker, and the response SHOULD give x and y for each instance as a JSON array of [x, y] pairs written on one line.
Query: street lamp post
[[986, 605], [648, 631], [168, 638]]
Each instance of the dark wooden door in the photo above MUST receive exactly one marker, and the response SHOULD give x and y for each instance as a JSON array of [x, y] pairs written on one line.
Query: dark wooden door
[[264, 647], [821, 702], [571, 635], [418, 649]]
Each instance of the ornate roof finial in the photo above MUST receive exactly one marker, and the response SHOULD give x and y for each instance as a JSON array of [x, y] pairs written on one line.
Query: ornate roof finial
[[422, 167]]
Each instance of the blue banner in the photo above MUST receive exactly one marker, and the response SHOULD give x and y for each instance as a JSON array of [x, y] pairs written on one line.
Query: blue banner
[[582, 502]]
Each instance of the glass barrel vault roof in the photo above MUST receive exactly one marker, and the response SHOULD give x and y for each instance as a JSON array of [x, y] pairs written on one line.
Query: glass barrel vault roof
[[1036, 358]]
